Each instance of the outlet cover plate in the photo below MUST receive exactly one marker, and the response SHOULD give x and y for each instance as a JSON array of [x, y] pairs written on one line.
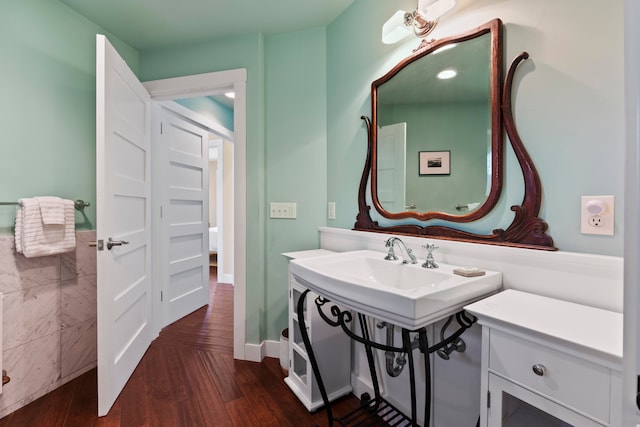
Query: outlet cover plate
[[597, 223]]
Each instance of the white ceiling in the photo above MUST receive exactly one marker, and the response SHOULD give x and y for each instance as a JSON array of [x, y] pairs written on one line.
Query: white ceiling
[[149, 24]]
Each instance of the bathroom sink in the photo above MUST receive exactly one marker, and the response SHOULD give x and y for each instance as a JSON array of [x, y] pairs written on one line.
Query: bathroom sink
[[406, 295]]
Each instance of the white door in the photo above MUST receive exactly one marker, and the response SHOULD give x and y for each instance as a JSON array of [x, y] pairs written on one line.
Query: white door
[[184, 172], [123, 201], [391, 167]]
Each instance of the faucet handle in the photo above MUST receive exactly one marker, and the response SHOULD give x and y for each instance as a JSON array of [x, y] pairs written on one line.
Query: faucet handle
[[430, 247], [391, 255], [430, 262]]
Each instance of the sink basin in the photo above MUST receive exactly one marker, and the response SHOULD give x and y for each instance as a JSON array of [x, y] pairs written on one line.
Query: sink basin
[[406, 295]]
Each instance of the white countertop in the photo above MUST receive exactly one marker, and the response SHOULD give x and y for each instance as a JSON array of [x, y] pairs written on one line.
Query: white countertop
[[589, 329], [307, 254]]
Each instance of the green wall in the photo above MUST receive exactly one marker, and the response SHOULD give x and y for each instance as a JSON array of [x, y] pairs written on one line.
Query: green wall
[[47, 81], [296, 140], [568, 105], [460, 128], [210, 109]]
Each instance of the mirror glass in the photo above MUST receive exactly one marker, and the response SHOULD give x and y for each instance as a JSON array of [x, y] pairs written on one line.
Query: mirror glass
[[434, 131], [437, 131]]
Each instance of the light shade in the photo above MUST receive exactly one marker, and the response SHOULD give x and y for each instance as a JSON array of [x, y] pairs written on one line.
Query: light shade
[[437, 9], [395, 29]]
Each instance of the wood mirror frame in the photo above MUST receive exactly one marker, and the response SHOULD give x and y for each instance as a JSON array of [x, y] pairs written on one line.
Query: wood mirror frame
[[527, 230]]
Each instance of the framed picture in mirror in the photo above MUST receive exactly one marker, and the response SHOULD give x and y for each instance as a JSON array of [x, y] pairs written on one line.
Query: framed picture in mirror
[[435, 162]]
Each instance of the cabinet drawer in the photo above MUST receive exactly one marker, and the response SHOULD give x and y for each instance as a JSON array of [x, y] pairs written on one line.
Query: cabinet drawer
[[571, 380]]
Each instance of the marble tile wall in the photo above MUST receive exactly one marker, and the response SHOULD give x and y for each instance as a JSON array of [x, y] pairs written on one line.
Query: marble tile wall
[[49, 320]]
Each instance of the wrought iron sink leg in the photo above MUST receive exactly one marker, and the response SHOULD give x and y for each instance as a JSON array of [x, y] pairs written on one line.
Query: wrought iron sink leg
[[312, 357]]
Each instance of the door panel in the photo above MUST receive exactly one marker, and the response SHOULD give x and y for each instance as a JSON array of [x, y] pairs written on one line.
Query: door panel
[[123, 200], [391, 166], [185, 215]]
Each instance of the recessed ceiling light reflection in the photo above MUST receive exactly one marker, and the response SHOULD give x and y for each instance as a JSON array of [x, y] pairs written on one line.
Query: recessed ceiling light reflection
[[231, 95], [449, 73], [445, 47]]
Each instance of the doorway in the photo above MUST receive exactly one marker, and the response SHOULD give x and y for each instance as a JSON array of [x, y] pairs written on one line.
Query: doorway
[[204, 85], [221, 208]]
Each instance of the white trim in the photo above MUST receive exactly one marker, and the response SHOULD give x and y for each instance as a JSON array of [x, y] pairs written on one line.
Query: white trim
[[225, 278], [240, 218], [196, 85], [257, 352], [208, 84]]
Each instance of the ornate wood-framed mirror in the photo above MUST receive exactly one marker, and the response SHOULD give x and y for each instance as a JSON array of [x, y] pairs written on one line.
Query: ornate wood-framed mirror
[[436, 146]]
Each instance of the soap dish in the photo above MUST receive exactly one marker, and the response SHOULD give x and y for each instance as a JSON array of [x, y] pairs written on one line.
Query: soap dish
[[469, 271]]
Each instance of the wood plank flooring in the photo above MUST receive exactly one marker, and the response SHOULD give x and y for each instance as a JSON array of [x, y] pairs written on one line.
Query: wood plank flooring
[[187, 378]]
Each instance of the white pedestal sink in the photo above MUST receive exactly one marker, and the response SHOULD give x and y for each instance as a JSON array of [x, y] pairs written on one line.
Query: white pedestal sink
[[407, 295]]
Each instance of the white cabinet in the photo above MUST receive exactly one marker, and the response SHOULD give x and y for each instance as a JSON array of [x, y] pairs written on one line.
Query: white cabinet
[[331, 346], [547, 362]]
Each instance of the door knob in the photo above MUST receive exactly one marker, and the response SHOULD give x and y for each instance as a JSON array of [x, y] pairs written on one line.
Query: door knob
[[539, 369], [111, 243]]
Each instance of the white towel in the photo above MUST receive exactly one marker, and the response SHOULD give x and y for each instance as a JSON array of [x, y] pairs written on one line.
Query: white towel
[[51, 209], [34, 238]]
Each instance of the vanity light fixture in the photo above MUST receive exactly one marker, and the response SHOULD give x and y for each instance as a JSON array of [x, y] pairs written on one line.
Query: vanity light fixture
[[421, 21], [446, 74]]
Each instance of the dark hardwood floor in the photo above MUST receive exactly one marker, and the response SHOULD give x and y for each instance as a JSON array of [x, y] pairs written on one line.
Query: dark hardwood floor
[[187, 378]]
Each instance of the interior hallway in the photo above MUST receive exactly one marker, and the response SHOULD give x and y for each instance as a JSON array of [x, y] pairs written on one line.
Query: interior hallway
[[187, 378]]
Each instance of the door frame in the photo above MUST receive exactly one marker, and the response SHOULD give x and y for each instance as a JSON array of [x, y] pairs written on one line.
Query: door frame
[[631, 308], [210, 84]]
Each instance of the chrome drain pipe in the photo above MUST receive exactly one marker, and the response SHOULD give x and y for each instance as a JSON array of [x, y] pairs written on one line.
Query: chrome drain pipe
[[394, 365]]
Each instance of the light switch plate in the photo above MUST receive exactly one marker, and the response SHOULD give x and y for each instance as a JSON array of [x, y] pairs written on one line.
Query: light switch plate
[[331, 210], [282, 210]]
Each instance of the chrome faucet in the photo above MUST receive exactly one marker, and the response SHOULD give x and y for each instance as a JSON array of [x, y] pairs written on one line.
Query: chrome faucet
[[430, 262], [391, 254]]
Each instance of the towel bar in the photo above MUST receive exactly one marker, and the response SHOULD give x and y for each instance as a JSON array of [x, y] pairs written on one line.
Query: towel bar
[[78, 204]]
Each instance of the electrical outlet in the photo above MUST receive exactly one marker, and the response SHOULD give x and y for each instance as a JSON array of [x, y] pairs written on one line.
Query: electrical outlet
[[596, 216], [596, 221]]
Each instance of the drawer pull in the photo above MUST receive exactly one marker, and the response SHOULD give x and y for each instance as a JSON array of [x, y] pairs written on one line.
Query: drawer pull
[[538, 369]]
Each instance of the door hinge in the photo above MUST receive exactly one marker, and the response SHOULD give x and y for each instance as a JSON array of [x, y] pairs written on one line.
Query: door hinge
[[488, 399], [161, 296], [160, 128], [161, 211]]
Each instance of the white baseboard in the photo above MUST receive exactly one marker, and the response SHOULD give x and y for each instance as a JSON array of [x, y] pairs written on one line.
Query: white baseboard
[[257, 352], [226, 278], [360, 386], [272, 348]]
